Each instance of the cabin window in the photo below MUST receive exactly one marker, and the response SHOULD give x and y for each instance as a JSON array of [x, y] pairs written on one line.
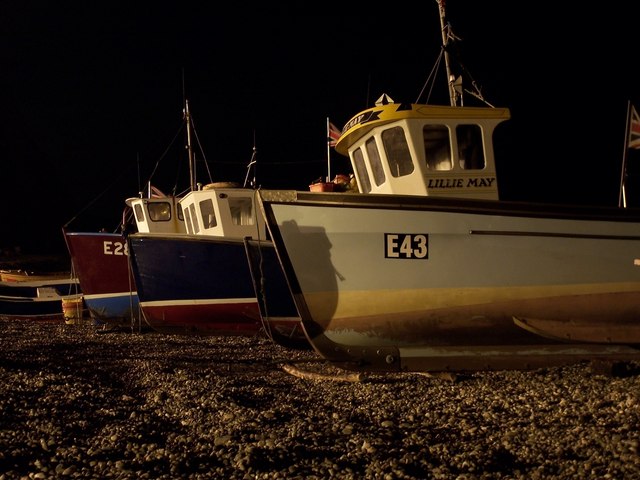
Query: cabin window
[[398, 154], [194, 217], [208, 214], [139, 211], [470, 151], [180, 212], [159, 211], [188, 223], [361, 171], [374, 161], [437, 147], [241, 210]]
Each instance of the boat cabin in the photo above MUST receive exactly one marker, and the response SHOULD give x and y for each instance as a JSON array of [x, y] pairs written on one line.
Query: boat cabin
[[426, 150], [157, 214], [223, 209]]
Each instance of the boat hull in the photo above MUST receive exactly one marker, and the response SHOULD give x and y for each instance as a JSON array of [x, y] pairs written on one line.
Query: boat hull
[[391, 272], [101, 263], [277, 308], [23, 276], [202, 285], [30, 307]]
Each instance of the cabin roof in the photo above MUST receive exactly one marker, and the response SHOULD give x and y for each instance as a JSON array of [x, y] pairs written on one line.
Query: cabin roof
[[365, 121]]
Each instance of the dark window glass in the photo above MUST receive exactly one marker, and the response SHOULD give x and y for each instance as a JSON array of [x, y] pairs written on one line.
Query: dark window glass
[[470, 150], [361, 171], [398, 154], [437, 147]]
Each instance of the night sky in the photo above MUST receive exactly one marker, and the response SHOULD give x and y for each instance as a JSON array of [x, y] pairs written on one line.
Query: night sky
[[92, 95]]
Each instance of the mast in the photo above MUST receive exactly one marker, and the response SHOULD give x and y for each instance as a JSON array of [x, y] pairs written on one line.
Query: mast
[[444, 28], [192, 166], [328, 153]]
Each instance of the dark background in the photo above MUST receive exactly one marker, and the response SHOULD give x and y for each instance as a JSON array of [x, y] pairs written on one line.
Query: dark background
[[91, 96]]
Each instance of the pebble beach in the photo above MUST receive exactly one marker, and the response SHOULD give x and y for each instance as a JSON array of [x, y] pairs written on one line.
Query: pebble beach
[[79, 401]]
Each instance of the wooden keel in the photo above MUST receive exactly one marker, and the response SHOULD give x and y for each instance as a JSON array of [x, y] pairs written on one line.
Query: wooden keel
[[577, 331]]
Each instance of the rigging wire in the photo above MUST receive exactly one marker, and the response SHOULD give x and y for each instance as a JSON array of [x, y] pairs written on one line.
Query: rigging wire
[[166, 151], [431, 78], [117, 180], [206, 162], [450, 39]]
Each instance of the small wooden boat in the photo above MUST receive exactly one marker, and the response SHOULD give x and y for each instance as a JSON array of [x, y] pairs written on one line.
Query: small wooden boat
[[426, 269], [33, 286], [33, 268], [20, 275], [39, 299]]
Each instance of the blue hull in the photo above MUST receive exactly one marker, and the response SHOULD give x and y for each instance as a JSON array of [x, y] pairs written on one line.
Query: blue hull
[[277, 308], [114, 309], [22, 299], [29, 307], [194, 285], [203, 285]]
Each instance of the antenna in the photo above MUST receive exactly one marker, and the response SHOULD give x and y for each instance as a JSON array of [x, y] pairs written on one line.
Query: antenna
[[252, 163], [192, 167]]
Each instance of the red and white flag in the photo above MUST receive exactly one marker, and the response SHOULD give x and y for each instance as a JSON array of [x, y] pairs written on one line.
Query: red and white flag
[[634, 129], [333, 134]]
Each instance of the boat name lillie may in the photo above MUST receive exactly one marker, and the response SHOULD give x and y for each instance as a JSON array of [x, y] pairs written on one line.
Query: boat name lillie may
[[461, 182]]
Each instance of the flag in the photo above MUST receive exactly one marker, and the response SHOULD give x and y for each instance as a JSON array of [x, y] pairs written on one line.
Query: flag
[[634, 129], [334, 133]]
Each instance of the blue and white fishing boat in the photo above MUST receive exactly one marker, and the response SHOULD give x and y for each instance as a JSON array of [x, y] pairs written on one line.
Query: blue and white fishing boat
[[200, 282]]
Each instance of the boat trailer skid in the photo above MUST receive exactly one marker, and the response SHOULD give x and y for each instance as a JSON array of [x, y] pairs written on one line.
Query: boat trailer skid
[[467, 358]]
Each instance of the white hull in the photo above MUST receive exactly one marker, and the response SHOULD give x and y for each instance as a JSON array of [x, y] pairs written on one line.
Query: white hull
[[426, 268]]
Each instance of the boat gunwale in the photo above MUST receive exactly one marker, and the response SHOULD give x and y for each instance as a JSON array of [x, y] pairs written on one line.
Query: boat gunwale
[[458, 205]]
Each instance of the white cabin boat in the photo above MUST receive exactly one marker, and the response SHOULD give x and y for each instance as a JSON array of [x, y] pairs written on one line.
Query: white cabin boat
[[193, 271]]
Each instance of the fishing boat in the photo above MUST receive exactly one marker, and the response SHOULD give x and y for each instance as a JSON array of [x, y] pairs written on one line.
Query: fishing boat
[[101, 261], [102, 268], [200, 282], [203, 284], [426, 269]]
